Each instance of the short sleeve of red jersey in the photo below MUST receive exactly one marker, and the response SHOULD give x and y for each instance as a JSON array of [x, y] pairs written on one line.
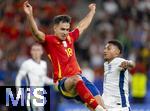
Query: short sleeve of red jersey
[[48, 40], [74, 34]]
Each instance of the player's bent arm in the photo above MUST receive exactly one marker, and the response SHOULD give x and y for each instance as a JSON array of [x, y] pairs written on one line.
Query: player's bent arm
[[19, 77], [48, 80], [39, 35], [21, 73], [127, 64], [85, 22]]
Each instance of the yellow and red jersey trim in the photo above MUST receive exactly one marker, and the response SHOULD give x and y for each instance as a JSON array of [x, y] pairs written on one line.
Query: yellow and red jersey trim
[[49, 56], [59, 70]]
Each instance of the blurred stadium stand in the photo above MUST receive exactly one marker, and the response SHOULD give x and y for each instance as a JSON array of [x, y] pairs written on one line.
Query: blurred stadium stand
[[125, 20]]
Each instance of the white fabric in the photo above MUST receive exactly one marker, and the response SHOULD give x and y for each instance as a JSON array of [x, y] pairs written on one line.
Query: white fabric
[[118, 109], [115, 87], [37, 73]]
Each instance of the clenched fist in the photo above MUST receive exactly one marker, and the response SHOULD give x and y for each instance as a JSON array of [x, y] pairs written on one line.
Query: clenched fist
[[92, 7]]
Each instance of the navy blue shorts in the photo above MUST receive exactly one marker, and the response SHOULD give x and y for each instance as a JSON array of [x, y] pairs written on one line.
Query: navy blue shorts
[[92, 88]]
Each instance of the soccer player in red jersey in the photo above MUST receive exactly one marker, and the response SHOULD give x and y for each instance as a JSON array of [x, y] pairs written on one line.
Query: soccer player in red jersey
[[60, 50]]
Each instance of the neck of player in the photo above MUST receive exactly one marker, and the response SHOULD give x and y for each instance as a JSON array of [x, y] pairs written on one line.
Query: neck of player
[[37, 60]]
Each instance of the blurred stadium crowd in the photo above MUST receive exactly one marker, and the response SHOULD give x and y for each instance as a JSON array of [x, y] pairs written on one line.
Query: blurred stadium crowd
[[125, 20]]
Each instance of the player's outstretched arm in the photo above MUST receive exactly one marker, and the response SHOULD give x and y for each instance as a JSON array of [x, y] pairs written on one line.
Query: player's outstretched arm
[[40, 36], [85, 22], [127, 64]]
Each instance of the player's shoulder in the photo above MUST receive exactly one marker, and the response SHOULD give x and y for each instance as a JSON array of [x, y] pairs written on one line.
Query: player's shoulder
[[118, 60], [27, 63], [74, 32], [53, 39], [50, 37], [44, 62]]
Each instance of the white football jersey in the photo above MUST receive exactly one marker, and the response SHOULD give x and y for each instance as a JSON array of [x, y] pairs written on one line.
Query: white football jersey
[[115, 87], [36, 73]]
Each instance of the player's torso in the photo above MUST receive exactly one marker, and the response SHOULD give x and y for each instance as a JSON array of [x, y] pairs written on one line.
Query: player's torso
[[62, 56], [115, 82], [36, 73]]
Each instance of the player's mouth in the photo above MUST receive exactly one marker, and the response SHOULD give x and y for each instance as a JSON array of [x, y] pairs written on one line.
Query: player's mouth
[[105, 54], [64, 36]]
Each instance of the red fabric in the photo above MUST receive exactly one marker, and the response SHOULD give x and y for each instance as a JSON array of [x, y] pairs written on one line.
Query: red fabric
[[64, 65], [86, 95], [138, 68]]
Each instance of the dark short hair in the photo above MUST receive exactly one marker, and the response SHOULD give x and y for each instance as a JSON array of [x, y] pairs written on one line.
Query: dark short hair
[[118, 44], [36, 44], [62, 18]]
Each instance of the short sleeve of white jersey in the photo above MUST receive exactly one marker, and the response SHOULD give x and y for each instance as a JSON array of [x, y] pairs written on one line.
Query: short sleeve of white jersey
[[118, 61]]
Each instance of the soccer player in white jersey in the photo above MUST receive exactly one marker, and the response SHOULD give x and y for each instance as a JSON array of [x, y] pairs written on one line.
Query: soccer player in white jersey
[[35, 70], [115, 94]]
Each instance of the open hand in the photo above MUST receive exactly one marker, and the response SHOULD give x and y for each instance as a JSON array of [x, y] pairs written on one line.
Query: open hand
[[27, 8]]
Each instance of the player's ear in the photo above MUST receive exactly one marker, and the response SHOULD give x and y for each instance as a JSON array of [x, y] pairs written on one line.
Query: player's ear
[[117, 52], [54, 27]]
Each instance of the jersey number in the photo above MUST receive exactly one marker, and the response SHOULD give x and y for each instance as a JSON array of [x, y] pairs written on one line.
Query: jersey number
[[69, 52]]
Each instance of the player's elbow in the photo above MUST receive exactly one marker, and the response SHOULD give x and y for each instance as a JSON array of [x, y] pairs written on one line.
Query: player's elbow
[[39, 36]]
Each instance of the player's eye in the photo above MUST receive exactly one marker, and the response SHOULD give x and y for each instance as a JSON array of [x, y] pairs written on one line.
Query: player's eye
[[64, 29], [67, 29]]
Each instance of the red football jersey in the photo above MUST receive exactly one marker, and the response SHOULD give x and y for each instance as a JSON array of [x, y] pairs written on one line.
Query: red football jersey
[[62, 55]]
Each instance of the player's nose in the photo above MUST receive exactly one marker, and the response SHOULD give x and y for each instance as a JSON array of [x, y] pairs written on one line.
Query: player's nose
[[105, 51], [65, 32]]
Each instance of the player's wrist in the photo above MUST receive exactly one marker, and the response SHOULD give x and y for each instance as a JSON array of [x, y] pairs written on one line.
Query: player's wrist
[[93, 11], [30, 15]]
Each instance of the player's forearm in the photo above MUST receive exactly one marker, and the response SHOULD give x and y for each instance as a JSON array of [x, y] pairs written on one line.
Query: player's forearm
[[18, 81], [48, 80], [85, 22], [35, 31]]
